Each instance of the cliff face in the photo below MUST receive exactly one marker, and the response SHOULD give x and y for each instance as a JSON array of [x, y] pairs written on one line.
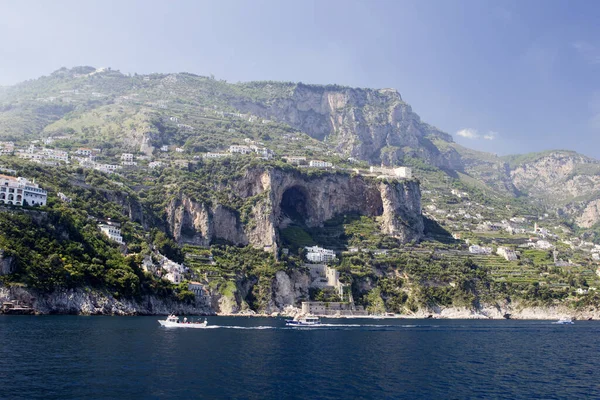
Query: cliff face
[[373, 125], [560, 175], [273, 194], [197, 223], [7, 264], [95, 302], [569, 181]]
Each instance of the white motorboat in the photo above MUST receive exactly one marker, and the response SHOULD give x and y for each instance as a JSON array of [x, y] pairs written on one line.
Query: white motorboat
[[173, 321], [564, 321], [303, 321]]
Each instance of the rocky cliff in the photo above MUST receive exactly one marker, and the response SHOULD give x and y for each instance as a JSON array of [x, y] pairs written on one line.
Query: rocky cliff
[[271, 194], [88, 301], [368, 124], [568, 181]]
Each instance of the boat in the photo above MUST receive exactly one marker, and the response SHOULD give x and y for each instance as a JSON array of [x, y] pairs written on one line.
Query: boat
[[564, 321], [173, 321], [303, 320]]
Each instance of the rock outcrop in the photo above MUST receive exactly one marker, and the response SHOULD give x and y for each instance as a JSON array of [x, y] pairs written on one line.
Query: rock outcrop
[[566, 180], [7, 264], [88, 301], [270, 194], [369, 124]]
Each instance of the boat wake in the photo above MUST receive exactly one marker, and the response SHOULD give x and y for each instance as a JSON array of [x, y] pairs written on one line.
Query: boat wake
[[320, 327]]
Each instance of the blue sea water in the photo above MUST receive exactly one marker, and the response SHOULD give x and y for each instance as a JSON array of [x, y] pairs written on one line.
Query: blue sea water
[[65, 357]]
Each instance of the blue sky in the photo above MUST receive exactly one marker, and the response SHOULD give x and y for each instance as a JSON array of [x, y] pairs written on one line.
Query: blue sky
[[500, 76]]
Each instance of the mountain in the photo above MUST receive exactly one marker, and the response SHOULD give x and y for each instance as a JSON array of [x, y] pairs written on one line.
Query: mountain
[[141, 113], [186, 191], [372, 125]]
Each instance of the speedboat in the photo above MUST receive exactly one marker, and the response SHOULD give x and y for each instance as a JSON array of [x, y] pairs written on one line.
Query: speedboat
[[173, 321], [564, 321], [303, 321]]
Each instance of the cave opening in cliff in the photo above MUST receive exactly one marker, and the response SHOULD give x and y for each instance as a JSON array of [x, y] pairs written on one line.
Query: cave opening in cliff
[[294, 204]]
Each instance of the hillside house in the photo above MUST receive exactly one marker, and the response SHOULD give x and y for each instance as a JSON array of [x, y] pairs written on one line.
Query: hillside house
[[398, 172], [106, 168], [19, 191], [475, 249], [318, 254], [63, 197], [83, 151], [240, 149], [175, 272], [197, 288], [127, 157], [508, 253], [543, 245], [112, 231], [215, 155], [319, 164], [295, 160]]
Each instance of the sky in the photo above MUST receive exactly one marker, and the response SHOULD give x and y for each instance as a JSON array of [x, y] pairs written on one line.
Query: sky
[[500, 76]]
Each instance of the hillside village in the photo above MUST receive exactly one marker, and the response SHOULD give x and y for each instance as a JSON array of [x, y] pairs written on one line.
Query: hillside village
[[153, 136]]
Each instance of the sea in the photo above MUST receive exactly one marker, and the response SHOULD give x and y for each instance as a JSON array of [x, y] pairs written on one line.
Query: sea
[[101, 357]]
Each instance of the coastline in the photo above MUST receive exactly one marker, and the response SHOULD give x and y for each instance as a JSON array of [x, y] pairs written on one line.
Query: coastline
[[95, 302], [550, 313]]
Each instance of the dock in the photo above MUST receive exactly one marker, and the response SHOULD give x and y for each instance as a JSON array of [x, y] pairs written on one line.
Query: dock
[[14, 308]]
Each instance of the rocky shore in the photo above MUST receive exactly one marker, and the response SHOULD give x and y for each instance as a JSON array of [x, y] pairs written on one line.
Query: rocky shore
[[94, 302]]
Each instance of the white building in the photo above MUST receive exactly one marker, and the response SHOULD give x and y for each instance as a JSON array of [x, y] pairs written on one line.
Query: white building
[[185, 127], [398, 172], [63, 197], [19, 191], [263, 152], [318, 254], [241, 149], [475, 249], [543, 244], [44, 154], [112, 231], [197, 288], [296, 160], [7, 148], [508, 253], [320, 164], [83, 152], [175, 272], [174, 277], [107, 168], [57, 155], [178, 149], [164, 148], [403, 172], [128, 157], [155, 164], [215, 155]]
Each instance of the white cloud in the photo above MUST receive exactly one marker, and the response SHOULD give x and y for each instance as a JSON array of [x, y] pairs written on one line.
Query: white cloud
[[471, 133], [491, 135], [468, 133]]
